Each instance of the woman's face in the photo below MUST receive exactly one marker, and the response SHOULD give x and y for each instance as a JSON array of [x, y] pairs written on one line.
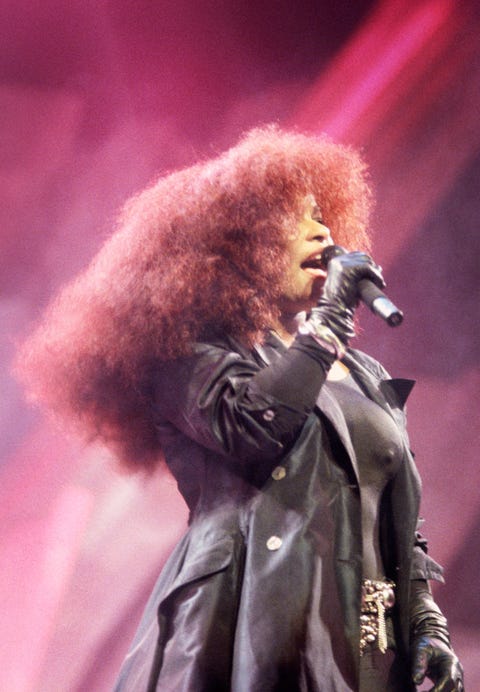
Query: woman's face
[[305, 277]]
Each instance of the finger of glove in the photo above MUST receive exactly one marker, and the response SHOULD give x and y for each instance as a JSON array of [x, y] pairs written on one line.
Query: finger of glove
[[367, 268], [452, 681], [446, 685], [447, 675], [419, 665], [375, 275], [353, 267]]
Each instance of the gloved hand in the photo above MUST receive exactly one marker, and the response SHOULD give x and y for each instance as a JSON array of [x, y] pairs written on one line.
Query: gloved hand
[[432, 658], [339, 297], [432, 654]]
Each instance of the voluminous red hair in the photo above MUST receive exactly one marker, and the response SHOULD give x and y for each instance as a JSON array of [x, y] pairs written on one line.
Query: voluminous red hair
[[203, 247]]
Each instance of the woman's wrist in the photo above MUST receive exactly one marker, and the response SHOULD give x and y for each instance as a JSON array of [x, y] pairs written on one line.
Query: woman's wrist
[[322, 334]]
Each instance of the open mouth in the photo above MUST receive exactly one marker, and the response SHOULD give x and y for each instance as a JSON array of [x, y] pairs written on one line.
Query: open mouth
[[313, 266]]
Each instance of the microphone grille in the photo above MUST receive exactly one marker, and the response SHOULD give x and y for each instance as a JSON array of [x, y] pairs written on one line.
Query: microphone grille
[[329, 253]]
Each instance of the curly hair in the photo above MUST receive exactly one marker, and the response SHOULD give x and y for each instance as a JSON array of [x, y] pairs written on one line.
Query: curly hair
[[202, 248]]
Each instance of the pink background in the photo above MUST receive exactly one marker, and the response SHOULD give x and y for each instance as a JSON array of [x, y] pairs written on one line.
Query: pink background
[[98, 97]]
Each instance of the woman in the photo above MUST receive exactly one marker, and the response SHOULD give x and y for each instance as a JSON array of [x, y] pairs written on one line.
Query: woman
[[301, 568]]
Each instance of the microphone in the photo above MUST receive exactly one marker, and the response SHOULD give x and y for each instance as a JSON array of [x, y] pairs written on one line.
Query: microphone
[[369, 292]]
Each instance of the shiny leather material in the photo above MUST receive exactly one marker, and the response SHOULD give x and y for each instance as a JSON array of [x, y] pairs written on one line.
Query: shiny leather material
[[228, 612]]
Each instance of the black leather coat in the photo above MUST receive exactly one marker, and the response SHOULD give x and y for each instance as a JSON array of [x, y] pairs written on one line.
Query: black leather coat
[[262, 594]]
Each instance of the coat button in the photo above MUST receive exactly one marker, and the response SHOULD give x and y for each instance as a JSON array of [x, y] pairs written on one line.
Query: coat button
[[274, 542], [278, 473], [269, 414]]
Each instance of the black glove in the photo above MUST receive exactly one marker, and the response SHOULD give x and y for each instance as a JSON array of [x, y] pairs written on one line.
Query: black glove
[[432, 654], [339, 297]]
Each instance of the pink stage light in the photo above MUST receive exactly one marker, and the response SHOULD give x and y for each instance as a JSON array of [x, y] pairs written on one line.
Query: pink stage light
[[39, 555], [369, 64]]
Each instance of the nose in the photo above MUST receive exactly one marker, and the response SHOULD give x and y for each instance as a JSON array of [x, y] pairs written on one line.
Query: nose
[[321, 233]]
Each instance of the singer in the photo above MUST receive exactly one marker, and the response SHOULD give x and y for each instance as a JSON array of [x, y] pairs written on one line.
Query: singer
[[207, 337]]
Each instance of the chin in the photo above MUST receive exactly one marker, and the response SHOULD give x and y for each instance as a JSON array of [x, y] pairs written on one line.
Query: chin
[[303, 305]]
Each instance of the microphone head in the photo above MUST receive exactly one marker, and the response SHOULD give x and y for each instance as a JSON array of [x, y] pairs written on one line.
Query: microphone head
[[329, 253]]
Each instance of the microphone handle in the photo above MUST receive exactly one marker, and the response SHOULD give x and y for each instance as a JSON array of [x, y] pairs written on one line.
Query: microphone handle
[[378, 303]]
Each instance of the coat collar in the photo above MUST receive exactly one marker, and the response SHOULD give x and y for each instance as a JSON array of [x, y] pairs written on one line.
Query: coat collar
[[386, 392]]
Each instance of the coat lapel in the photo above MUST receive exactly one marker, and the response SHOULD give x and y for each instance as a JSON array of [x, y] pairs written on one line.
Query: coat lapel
[[329, 406], [390, 394], [396, 391]]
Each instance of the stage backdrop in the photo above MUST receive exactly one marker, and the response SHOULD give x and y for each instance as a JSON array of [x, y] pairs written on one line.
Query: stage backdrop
[[97, 97]]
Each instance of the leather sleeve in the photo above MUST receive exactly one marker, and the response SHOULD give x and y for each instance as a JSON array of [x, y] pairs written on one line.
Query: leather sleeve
[[231, 405], [423, 566]]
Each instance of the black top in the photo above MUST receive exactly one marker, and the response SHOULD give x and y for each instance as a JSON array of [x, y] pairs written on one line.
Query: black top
[[378, 446]]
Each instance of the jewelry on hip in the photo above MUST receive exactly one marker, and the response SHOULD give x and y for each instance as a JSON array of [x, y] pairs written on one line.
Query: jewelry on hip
[[378, 597]]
